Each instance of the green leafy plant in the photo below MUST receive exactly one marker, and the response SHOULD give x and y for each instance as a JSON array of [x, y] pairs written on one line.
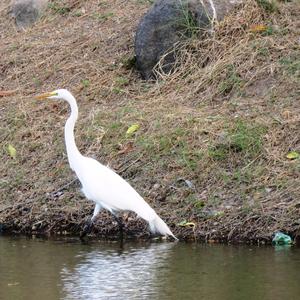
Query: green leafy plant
[[233, 81], [86, 83], [188, 22], [291, 64], [103, 17], [58, 7], [241, 137], [268, 5]]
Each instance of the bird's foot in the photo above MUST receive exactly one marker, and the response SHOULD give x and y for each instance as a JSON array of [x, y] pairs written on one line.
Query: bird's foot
[[86, 229], [121, 227]]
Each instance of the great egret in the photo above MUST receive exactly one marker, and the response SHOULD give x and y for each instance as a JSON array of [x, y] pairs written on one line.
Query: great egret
[[99, 183]]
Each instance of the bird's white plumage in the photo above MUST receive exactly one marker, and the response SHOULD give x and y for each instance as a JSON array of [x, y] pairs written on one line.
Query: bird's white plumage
[[99, 183], [104, 186]]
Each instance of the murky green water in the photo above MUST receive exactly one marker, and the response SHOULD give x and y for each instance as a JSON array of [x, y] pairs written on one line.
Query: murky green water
[[42, 269]]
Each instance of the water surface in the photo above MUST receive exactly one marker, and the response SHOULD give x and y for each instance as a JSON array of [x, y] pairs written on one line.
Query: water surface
[[47, 270]]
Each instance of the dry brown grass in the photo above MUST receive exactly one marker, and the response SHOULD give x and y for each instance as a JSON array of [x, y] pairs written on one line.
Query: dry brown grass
[[224, 120]]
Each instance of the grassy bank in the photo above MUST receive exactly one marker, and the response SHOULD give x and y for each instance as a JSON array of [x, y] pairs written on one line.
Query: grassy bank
[[213, 139]]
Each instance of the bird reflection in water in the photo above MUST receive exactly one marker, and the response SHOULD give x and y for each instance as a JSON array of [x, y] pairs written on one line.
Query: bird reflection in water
[[111, 274]]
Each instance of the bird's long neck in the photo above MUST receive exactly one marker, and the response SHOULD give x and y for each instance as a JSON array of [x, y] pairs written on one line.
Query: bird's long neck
[[73, 153]]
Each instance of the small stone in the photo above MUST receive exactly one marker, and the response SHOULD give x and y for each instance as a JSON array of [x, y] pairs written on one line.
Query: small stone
[[27, 12], [268, 190], [156, 186]]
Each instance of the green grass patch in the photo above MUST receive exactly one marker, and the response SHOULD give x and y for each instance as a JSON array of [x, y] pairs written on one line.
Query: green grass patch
[[58, 7], [85, 83], [241, 138], [145, 1], [103, 17], [175, 145], [232, 81], [269, 6], [291, 64], [120, 83], [188, 22]]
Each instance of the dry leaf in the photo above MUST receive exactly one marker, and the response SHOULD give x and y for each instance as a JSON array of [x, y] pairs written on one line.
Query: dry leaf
[[11, 151], [187, 224], [6, 93], [292, 155], [132, 129], [258, 28], [126, 148], [286, 114]]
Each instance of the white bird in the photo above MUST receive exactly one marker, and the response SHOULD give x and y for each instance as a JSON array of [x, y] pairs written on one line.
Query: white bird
[[100, 184]]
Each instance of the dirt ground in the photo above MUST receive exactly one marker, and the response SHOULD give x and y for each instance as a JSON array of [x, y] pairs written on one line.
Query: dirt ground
[[216, 150]]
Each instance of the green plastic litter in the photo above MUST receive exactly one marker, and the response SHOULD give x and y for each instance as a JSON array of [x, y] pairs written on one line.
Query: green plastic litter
[[281, 239]]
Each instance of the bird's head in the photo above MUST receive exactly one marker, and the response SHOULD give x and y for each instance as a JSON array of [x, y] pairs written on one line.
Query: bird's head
[[57, 94]]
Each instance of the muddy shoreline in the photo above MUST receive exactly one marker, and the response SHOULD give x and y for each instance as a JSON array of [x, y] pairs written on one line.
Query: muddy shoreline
[[238, 227]]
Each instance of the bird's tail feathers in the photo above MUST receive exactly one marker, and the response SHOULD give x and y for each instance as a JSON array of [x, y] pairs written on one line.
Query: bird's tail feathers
[[157, 225]]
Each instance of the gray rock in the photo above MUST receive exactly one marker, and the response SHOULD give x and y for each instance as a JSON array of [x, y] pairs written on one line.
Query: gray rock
[[27, 12], [161, 28], [167, 23]]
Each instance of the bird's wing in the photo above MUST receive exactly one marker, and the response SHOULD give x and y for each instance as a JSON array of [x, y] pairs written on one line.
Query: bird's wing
[[104, 186]]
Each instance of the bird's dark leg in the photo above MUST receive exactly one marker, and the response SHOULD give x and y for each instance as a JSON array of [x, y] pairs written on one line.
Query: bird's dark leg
[[89, 224], [121, 226], [86, 229]]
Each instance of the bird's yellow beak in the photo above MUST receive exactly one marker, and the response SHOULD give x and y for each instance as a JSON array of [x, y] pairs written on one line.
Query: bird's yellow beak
[[45, 95]]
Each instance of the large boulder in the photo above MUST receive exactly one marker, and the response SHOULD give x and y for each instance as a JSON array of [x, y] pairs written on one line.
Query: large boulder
[[168, 22], [27, 12]]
